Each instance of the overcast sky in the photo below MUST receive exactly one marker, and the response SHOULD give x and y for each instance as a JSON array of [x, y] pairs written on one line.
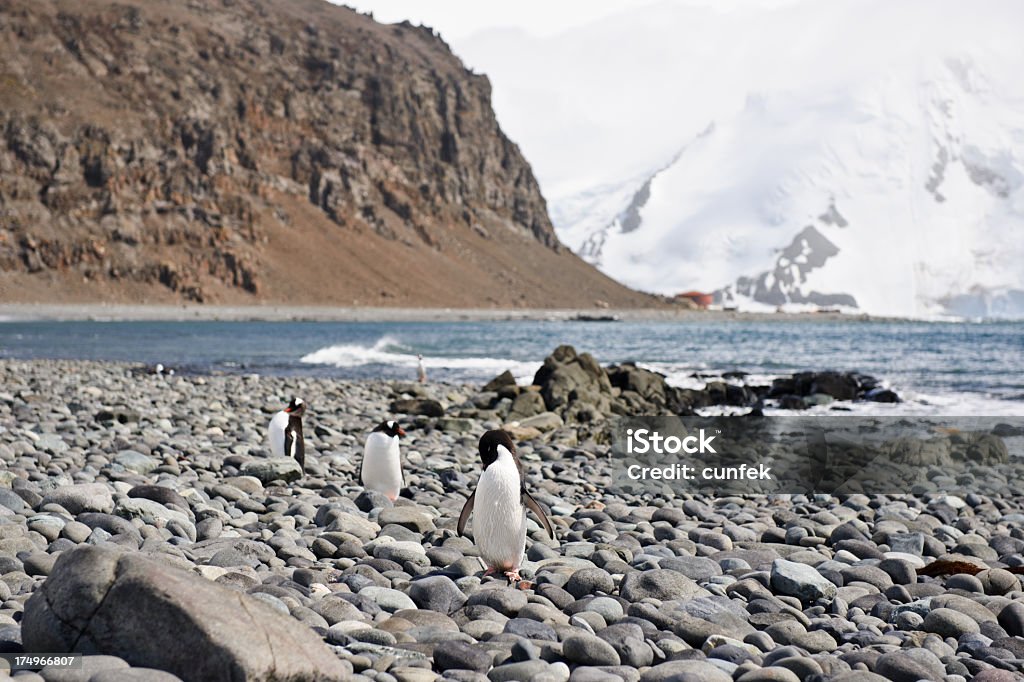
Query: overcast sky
[[456, 19], [459, 19]]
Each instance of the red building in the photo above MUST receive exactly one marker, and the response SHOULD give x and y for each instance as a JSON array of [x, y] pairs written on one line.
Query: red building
[[699, 297]]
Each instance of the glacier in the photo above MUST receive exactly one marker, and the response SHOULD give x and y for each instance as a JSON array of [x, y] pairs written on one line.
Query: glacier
[[865, 156]]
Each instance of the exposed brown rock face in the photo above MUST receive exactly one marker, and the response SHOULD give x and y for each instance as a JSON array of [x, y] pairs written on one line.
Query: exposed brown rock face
[[262, 151]]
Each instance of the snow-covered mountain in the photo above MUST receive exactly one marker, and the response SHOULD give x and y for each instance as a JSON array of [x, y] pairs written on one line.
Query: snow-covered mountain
[[848, 153]]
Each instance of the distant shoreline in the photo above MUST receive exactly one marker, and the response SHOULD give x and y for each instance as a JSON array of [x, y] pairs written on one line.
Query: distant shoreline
[[282, 313]]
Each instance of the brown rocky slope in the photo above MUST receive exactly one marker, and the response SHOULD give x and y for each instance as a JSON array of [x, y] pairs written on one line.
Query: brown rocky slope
[[247, 152]]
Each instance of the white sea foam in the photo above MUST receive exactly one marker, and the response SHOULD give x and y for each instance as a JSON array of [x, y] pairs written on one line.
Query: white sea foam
[[391, 352]]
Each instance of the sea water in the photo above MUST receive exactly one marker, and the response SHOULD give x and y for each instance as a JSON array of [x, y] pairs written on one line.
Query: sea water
[[938, 367]]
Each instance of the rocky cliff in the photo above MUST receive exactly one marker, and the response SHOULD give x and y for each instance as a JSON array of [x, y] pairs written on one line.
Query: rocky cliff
[[215, 150]]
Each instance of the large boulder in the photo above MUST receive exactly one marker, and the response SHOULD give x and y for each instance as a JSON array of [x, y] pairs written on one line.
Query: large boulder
[[101, 601], [567, 377], [273, 469]]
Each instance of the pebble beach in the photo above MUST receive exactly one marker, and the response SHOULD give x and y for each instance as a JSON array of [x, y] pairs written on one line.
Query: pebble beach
[[144, 523]]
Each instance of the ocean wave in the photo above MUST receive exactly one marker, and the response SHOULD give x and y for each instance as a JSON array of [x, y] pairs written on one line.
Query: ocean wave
[[391, 352]]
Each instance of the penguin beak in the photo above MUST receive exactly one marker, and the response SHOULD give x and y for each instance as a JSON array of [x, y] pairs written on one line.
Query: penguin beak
[[401, 431], [287, 409]]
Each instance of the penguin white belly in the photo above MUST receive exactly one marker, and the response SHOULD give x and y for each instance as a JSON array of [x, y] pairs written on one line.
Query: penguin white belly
[[382, 465], [275, 433], [499, 518]]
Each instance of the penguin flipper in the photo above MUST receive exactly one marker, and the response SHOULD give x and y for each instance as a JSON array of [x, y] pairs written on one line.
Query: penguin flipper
[[300, 453], [295, 446], [464, 516], [535, 508]]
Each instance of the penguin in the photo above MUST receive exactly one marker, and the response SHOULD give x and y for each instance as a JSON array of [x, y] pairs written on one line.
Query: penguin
[[497, 504], [285, 433], [421, 371], [381, 469]]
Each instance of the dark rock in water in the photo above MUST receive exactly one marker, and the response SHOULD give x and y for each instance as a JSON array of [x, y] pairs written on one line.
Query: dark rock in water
[[882, 395], [792, 402], [839, 386], [1007, 430], [782, 386], [100, 601], [428, 407], [502, 380]]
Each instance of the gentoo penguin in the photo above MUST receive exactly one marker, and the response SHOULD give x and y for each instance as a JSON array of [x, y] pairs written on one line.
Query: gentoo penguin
[[285, 432], [499, 517], [421, 371], [382, 465]]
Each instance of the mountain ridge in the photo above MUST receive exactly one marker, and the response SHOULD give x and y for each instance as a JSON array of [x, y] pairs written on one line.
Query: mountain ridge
[[219, 151], [904, 119]]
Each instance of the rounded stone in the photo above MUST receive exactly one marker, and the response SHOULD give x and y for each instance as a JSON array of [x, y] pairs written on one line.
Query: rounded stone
[[586, 649], [949, 623]]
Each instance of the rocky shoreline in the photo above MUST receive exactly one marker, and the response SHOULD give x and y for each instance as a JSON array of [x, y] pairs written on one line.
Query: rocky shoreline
[[276, 312], [143, 522]]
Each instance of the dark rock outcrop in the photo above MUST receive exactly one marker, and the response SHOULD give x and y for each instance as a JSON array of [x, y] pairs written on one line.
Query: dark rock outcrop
[[575, 387], [568, 379]]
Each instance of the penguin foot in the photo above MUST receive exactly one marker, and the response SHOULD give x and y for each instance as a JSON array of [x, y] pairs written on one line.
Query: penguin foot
[[490, 571], [513, 576]]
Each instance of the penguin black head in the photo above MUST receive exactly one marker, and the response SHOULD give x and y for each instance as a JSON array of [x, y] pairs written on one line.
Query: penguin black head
[[296, 407], [391, 428], [489, 443]]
